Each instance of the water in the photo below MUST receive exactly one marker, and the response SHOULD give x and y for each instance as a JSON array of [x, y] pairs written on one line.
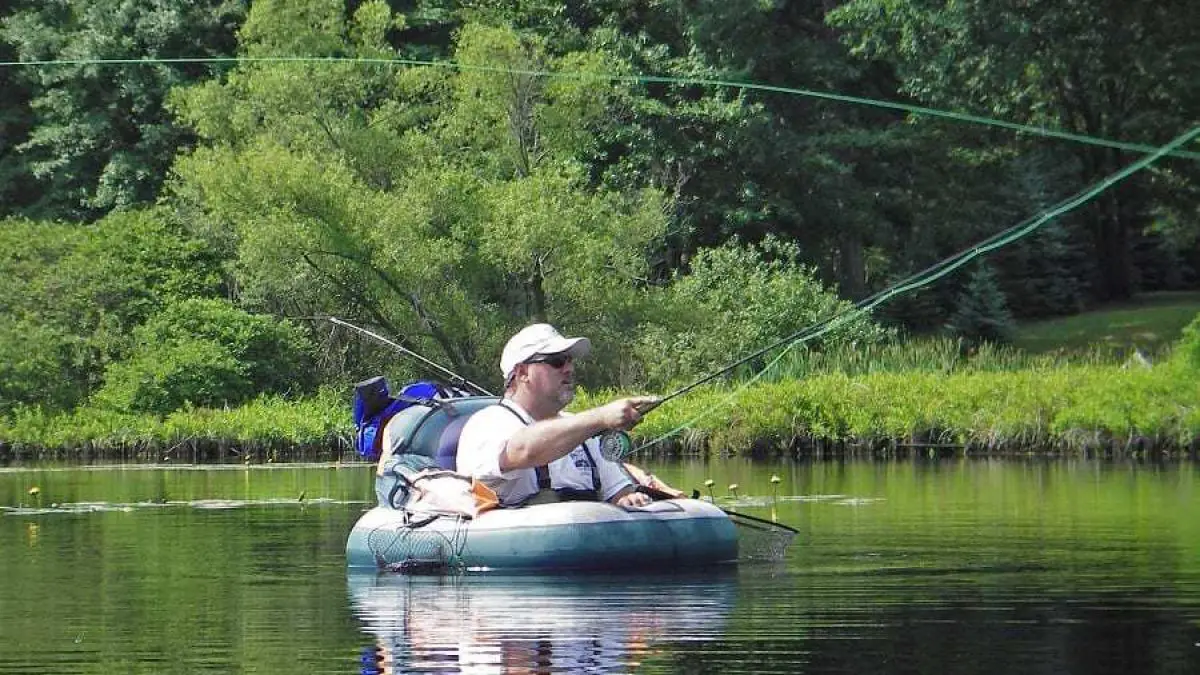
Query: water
[[900, 567]]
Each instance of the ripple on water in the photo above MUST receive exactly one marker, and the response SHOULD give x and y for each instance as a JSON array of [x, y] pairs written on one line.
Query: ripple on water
[[77, 508]]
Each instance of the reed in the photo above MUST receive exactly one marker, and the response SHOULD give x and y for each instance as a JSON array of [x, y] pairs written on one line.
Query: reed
[[270, 428], [1074, 408], [985, 405]]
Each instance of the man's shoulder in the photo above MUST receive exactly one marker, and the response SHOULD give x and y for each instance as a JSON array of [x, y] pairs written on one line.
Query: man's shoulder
[[489, 418], [486, 412]]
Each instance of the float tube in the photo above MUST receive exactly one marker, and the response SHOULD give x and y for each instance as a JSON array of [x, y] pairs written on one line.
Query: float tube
[[565, 536]]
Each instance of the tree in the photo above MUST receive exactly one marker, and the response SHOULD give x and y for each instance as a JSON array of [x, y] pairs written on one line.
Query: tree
[[86, 288], [737, 299], [444, 207], [100, 137], [1100, 68], [736, 162], [32, 366], [981, 312], [16, 117]]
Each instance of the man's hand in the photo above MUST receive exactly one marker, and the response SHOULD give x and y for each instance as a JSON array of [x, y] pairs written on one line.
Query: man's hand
[[633, 499], [625, 413]]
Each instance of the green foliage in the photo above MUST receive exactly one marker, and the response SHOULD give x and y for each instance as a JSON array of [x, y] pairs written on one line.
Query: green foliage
[[162, 378], [1094, 67], [981, 313], [347, 191], [1069, 408], [100, 137], [33, 368], [447, 207], [739, 298], [16, 117], [83, 289], [206, 353], [1050, 269], [1062, 408], [268, 421], [1047, 271]]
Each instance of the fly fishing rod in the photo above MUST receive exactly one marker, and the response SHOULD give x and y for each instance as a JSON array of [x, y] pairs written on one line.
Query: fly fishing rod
[[455, 378]]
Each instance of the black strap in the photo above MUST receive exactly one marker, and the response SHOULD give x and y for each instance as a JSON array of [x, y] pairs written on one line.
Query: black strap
[[595, 469]]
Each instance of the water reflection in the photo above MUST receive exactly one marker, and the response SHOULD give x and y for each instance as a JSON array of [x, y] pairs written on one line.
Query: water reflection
[[534, 624]]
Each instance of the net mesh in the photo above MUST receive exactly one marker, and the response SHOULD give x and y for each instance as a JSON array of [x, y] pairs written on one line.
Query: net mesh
[[761, 540], [415, 548]]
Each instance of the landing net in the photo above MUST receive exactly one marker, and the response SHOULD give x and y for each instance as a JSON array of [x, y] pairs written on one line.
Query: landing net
[[761, 540], [417, 548]]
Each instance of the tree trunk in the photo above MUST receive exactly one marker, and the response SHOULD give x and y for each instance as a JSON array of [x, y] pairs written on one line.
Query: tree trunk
[[852, 275], [1111, 240], [537, 295], [1113, 256]]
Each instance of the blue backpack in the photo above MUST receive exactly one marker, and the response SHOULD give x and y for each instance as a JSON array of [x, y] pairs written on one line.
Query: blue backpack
[[374, 406]]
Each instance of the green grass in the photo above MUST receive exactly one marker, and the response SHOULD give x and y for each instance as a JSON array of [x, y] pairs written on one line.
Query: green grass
[[1150, 323]]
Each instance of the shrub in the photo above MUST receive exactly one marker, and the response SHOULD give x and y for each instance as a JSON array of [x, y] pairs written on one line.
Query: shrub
[[737, 299], [33, 366], [206, 353]]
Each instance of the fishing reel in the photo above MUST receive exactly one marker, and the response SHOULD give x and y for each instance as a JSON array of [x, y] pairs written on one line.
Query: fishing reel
[[615, 444]]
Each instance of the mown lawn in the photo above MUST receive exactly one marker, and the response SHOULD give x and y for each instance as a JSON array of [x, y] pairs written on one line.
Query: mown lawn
[[1150, 323]]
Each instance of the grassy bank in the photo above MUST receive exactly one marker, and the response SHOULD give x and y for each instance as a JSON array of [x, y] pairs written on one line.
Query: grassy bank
[[1066, 409], [1072, 409], [928, 395], [266, 430]]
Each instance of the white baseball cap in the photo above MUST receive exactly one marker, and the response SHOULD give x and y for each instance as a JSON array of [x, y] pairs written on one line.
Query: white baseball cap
[[540, 339]]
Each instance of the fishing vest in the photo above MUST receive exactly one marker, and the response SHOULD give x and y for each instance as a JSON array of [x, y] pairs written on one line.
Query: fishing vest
[[543, 473]]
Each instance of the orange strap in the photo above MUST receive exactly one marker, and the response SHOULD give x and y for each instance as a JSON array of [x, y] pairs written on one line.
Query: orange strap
[[485, 497]]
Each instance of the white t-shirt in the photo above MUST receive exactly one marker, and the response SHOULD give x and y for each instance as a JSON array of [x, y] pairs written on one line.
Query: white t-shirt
[[487, 432]]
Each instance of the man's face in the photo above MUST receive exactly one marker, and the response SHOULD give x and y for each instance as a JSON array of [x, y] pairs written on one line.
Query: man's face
[[552, 378]]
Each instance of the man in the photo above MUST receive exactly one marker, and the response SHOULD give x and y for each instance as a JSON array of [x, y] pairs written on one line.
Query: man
[[529, 451]]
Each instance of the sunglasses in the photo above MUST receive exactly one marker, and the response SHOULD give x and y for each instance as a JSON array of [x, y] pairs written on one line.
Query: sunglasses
[[555, 361]]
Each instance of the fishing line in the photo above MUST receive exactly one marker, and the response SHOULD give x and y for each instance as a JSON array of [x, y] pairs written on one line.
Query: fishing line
[[633, 79], [911, 283]]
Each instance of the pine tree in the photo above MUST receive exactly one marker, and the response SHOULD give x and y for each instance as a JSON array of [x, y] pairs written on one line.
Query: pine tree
[[981, 311], [1048, 270]]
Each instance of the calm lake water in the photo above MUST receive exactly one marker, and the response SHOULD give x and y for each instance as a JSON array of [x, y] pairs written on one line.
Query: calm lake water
[[900, 567]]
